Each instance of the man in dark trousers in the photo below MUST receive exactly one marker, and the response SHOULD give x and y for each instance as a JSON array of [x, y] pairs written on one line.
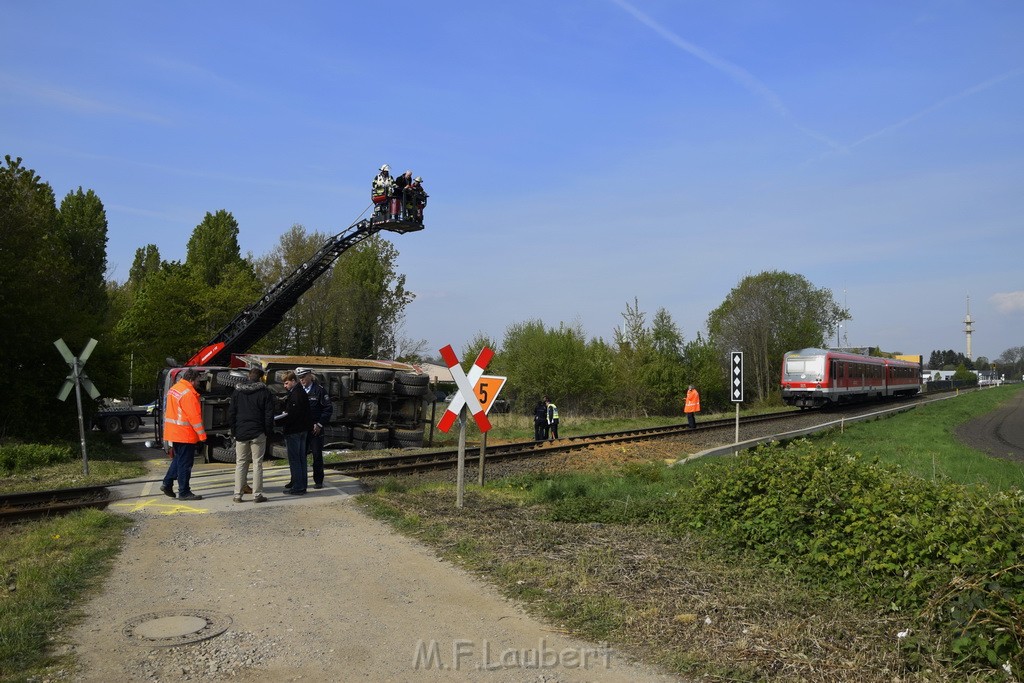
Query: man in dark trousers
[[540, 421], [320, 408], [296, 422], [251, 420]]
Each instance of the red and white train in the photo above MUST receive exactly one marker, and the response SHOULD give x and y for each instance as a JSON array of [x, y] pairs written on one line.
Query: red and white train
[[812, 378]]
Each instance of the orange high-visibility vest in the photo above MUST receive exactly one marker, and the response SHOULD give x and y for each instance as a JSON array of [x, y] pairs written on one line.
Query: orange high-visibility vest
[[692, 402], [183, 417]]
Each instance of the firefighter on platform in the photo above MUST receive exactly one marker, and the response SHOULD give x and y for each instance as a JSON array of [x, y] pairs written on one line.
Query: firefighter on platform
[[381, 192], [398, 200], [415, 200]]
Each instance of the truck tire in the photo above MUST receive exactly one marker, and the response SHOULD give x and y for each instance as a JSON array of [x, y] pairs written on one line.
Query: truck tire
[[412, 379], [112, 424], [377, 388], [410, 389], [375, 375], [130, 423], [374, 435], [222, 454]]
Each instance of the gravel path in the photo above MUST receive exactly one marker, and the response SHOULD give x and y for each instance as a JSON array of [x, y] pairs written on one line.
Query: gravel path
[[319, 592]]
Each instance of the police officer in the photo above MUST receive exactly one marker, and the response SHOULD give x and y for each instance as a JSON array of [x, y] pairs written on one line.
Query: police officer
[[321, 408]]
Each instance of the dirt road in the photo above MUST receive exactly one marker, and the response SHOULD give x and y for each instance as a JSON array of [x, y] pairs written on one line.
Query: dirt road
[[318, 592]]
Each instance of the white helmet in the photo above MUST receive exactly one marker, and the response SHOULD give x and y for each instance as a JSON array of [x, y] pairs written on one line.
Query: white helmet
[[418, 179], [385, 167]]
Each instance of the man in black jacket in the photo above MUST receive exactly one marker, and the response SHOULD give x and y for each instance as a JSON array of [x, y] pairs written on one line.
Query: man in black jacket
[[321, 408], [296, 423], [251, 419]]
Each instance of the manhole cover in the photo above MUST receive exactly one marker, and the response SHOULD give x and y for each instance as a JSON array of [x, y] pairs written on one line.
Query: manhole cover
[[175, 627]]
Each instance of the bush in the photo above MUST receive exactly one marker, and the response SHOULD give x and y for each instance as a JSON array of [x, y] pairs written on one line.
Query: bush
[[23, 457], [945, 553]]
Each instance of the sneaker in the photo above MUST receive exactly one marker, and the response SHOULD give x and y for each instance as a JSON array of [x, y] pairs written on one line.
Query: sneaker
[[260, 498], [189, 496], [246, 489], [236, 499], [167, 491]]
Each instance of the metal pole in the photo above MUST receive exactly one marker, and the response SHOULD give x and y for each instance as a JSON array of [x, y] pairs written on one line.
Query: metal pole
[[483, 450], [737, 423], [461, 479], [81, 420]]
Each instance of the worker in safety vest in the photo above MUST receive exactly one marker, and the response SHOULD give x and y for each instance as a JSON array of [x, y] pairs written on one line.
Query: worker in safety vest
[[552, 419], [692, 406], [183, 431], [381, 191]]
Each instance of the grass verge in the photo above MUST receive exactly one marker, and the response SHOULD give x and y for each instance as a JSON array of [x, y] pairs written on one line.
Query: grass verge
[[827, 568], [47, 567]]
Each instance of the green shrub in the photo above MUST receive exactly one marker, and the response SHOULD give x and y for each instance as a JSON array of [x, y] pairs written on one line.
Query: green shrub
[[23, 457], [949, 554]]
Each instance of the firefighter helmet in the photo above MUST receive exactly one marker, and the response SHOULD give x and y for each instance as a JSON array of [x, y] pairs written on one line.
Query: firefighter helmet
[[385, 167]]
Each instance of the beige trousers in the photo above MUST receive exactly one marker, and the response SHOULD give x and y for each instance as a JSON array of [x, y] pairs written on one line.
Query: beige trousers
[[244, 450]]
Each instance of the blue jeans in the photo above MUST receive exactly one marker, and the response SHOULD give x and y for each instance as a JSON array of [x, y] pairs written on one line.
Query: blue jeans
[[181, 468], [296, 444]]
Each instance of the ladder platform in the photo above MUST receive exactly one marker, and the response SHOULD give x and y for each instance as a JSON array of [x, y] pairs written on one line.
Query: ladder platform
[[399, 226]]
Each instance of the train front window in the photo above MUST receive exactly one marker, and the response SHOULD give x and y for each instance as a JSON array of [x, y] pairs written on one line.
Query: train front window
[[805, 368]]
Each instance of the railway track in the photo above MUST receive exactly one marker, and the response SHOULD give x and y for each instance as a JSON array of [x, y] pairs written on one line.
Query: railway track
[[448, 458], [18, 507]]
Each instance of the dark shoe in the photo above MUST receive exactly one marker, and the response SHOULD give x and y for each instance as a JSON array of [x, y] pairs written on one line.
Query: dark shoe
[[260, 498], [287, 489], [293, 492], [189, 496], [318, 486], [236, 499], [167, 491], [246, 489]]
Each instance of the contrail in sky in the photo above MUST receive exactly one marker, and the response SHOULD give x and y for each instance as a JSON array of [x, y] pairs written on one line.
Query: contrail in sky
[[733, 71], [973, 90]]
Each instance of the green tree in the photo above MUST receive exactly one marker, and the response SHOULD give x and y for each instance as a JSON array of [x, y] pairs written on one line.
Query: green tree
[[52, 265], [375, 297], [649, 368], [213, 247], [765, 316], [174, 309], [356, 309]]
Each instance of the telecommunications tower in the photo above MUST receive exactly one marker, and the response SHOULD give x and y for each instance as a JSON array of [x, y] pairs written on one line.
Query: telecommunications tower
[[968, 327]]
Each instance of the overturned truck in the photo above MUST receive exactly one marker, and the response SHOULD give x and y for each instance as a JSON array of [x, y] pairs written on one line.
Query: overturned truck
[[376, 404]]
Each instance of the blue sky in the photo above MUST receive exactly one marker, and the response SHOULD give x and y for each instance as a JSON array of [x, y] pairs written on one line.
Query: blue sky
[[578, 154]]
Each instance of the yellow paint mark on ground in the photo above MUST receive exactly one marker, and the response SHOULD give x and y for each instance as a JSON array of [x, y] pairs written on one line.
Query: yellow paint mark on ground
[[162, 508]]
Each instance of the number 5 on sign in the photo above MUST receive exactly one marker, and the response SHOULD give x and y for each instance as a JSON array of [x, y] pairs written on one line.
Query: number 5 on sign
[[487, 389]]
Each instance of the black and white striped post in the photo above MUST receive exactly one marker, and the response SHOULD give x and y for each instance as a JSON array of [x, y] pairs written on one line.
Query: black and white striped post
[[736, 386]]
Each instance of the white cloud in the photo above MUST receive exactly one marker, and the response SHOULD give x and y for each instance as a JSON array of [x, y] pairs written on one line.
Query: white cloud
[[1009, 302]]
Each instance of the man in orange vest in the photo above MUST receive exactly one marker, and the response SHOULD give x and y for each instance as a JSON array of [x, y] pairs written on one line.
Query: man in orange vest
[[692, 406], [183, 431]]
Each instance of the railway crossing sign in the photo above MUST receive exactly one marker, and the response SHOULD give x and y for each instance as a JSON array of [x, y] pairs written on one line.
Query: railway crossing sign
[[736, 377], [466, 396], [76, 380]]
